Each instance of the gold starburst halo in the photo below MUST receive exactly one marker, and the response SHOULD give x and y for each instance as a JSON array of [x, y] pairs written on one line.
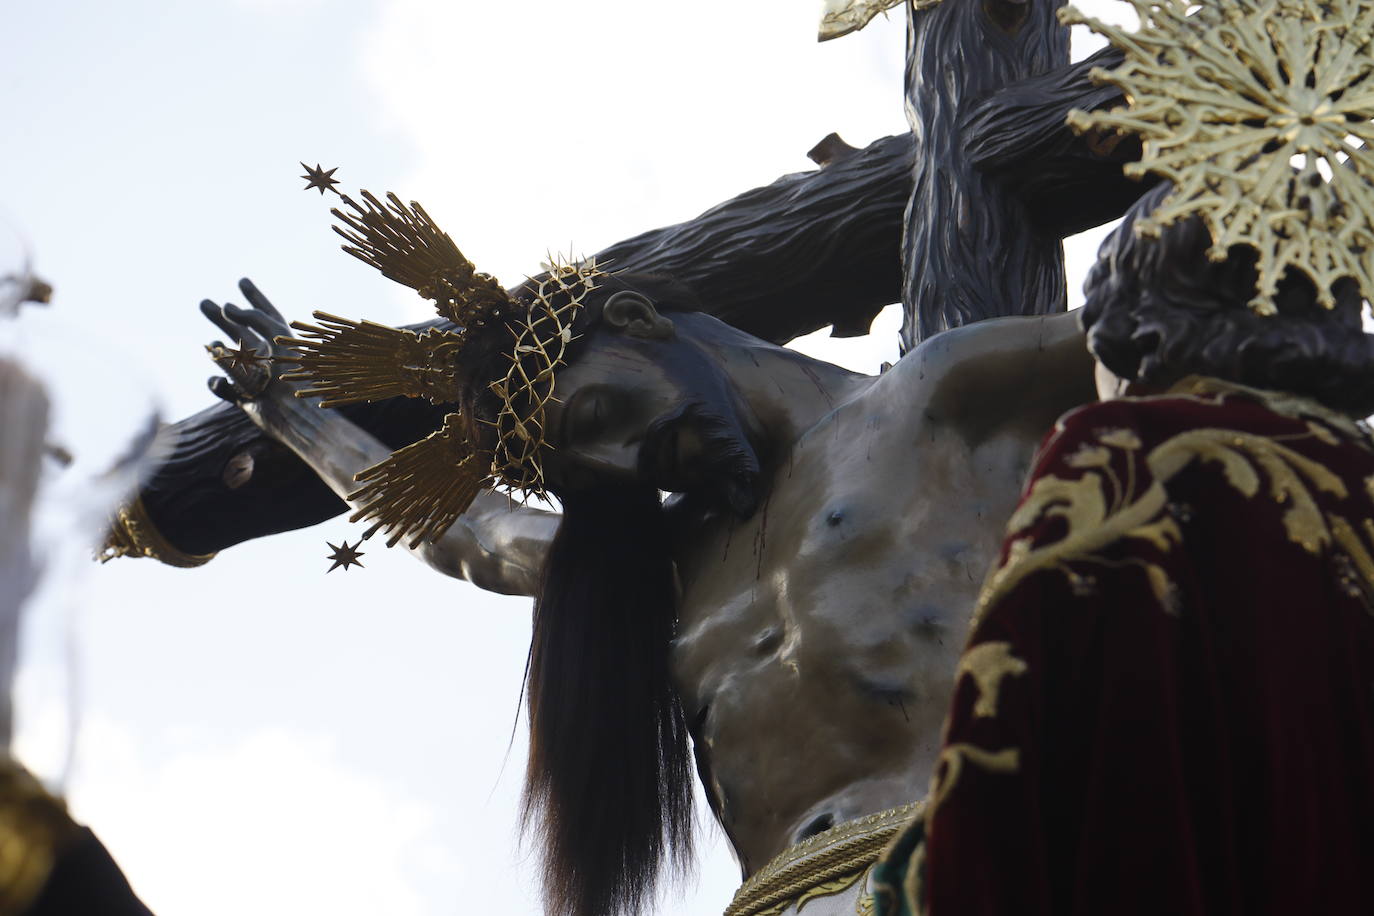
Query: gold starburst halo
[[420, 490], [1259, 113], [343, 361], [406, 245]]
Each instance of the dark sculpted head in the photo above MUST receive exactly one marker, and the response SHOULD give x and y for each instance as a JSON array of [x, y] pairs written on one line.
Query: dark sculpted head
[[1158, 310], [642, 399], [642, 407]]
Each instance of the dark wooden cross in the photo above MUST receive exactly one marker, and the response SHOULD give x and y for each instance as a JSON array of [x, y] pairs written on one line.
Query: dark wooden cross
[[960, 219]]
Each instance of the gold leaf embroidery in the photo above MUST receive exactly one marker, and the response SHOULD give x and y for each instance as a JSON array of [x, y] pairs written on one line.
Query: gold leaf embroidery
[[1119, 438], [1303, 520], [1354, 547], [951, 766], [1165, 592], [1163, 534], [1322, 433], [1079, 502], [1091, 527], [989, 663], [1089, 456]]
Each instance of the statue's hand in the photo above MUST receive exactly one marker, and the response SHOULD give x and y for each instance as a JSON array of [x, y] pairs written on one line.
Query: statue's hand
[[251, 371]]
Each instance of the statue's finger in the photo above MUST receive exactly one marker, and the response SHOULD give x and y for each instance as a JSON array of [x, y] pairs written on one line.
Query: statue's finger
[[247, 329], [264, 326], [224, 389], [212, 311], [220, 356], [257, 300]]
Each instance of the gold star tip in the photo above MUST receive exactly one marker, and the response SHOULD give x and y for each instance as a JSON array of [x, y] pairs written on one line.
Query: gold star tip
[[320, 179], [245, 357], [345, 555]]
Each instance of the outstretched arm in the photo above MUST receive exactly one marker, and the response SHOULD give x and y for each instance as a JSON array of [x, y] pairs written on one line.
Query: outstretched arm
[[810, 249], [495, 545]]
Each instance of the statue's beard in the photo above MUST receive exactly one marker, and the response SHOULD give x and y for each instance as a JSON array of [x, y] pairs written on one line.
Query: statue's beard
[[701, 449]]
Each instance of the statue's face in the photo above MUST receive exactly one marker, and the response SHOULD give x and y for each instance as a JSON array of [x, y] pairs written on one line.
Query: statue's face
[[640, 401]]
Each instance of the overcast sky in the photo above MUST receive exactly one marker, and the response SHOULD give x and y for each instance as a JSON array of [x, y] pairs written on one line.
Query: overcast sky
[[258, 736]]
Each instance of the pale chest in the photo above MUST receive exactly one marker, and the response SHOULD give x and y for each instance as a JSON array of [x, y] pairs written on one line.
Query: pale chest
[[858, 571]]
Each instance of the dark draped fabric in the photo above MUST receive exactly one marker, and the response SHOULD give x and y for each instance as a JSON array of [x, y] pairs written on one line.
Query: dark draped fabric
[[85, 881], [1166, 705], [49, 864]]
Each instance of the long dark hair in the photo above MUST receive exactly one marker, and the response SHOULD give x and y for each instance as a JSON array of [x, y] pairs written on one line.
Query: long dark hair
[[608, 788], [1158, 309]]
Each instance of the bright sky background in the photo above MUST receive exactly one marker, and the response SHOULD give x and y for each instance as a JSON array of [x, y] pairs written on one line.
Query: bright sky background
[[256, 736]]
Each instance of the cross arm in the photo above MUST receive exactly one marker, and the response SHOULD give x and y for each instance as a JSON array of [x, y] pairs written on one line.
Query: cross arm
[[1068, 182]]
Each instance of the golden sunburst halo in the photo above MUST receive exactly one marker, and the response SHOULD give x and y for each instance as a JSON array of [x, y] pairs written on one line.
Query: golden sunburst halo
[[1259, 113]]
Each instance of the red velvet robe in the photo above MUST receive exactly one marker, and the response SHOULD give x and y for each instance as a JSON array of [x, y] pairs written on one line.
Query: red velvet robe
[[1166, 706]]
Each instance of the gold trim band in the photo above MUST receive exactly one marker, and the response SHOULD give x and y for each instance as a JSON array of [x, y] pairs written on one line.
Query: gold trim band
[[133, 534], [826, 863]]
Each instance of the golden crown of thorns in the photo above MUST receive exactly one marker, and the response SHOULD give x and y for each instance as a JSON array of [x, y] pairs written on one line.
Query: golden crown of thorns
[[1261, 114], [420, 490]]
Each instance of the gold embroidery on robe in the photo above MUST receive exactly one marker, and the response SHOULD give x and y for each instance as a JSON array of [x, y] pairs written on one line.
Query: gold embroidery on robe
[[1099, 509], [950, 768], [989, 663]]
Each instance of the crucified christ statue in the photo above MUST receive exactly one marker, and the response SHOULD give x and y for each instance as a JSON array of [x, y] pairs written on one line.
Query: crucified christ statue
[[828, 531]]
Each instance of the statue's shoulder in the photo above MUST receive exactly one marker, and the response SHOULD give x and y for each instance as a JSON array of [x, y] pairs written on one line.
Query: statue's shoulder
[[989, 365]]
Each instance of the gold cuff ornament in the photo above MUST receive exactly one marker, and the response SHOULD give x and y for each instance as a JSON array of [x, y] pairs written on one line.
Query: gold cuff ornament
[[420, 490], [827, 863], [133, 534]]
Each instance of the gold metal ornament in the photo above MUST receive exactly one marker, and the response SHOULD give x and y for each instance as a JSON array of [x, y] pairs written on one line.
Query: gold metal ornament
[[133, 534], [406, 246], [35, 832], [319, 179], [243, 357], [821, 865], [542, 336], [420, 490], [1259, 112], [345, 555], [840, 17], [345, 362]]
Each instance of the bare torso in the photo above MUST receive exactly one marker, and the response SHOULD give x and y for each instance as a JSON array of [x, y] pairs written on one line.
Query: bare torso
[[817, 640]]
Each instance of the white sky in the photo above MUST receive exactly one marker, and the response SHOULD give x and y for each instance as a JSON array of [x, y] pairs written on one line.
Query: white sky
[[257, 736]]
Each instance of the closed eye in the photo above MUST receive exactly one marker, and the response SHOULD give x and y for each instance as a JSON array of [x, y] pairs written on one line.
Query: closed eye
[[589, 415]]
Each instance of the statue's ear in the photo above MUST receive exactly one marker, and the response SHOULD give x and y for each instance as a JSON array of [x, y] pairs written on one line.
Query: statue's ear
[[634, 314]]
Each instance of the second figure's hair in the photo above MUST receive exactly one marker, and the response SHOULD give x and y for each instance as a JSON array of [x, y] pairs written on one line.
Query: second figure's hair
[[1158, 309]]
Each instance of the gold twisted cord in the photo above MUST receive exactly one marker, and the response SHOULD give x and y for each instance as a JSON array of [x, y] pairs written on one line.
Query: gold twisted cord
[[826, 863], [133, 534]]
